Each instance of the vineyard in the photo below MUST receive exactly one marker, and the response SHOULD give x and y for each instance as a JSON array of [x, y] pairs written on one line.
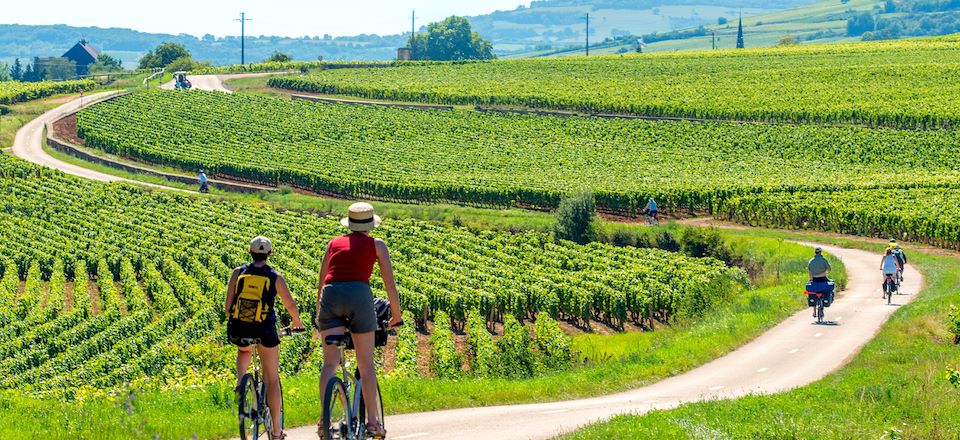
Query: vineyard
[[907, 83], [524, 160], [107, 284], [12, 91]]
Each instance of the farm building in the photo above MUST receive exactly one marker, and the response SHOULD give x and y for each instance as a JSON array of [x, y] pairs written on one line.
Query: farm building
[[82, 53]]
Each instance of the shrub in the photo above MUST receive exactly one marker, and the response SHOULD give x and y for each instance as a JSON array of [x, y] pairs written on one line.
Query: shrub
[[513, 350], [405, 359], [575, 218], [4, 110], [483, 353], [445, 362], [954, 323], [553, 344], [953, 376]]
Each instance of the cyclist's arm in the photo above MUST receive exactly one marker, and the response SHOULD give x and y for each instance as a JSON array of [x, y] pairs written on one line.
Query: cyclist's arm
[[288, 302], [231, 292], [389, 283]]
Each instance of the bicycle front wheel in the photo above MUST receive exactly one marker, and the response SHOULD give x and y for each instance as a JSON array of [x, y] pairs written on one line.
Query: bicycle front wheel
[[335, 420], [248, 411]]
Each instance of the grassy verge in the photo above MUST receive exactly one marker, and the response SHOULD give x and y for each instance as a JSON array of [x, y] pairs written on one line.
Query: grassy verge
[[895, 388], [616, 362], [22, 113]]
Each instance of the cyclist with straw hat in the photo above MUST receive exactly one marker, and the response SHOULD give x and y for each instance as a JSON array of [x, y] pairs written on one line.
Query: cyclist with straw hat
[[345, 301]]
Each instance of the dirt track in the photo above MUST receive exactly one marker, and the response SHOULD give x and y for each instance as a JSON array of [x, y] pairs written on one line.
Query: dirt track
[[792, 354]]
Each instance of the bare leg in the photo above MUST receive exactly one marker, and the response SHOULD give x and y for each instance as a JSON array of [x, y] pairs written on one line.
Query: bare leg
[[270, 362], [331, 359], [368, 374], [244, 355]]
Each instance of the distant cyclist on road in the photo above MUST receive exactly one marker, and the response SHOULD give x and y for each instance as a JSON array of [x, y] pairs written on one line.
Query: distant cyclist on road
[[900, 255], [890, 266], [818, 267], [346, 302], [249, 306], [652, 210], [203, 181]]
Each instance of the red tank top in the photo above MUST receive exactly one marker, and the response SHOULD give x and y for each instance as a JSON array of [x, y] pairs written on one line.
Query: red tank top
[[351, 258]]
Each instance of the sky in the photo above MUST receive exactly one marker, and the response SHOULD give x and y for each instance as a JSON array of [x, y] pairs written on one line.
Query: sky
[[269, 17]]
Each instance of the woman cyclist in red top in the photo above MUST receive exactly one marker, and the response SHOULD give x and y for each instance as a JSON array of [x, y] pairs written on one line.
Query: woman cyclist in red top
[[345, 301]]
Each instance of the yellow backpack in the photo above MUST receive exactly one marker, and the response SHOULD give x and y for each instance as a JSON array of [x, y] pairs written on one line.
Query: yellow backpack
[[250, 306]]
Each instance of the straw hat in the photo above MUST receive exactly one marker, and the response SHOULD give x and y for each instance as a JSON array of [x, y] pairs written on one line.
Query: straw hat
[[360, 218]]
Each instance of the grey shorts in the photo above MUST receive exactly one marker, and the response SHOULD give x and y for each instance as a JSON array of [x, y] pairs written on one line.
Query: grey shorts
[[347, 304]]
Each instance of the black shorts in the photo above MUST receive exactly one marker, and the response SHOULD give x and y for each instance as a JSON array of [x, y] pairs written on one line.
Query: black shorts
[[267, 334], [347, 304]]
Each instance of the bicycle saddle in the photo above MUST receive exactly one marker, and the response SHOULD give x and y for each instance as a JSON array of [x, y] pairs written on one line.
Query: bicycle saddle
[[338, 340]]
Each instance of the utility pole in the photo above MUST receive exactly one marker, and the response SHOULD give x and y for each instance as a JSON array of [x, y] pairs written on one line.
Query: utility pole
[[243, 21], [713, 39], [588, 34]]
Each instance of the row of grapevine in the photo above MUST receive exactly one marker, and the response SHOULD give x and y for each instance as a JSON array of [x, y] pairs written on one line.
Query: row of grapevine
[[901, 84], [13, 91]]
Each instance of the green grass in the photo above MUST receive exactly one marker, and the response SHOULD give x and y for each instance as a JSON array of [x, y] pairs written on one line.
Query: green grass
[[616, 362], [20, 114], [895, 388]]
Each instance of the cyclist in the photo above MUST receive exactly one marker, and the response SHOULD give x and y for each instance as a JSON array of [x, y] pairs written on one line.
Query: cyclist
[[652, 210], [203, 181], [251, 293], [817, 268], [901, 257], [890, 266], [346, 301]]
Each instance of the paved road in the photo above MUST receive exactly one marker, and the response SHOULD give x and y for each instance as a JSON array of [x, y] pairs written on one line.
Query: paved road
[[214, 83], [28, 143], [794, 353]]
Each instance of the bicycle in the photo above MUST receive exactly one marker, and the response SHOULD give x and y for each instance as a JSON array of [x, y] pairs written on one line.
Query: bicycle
[[889, 287], [344, 417], [252, 409], [819, 299]]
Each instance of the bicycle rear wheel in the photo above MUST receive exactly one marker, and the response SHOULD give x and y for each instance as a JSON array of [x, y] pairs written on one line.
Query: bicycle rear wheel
[[247, 408], [819, 310], [335, 420], [889, 289], [363, 410]]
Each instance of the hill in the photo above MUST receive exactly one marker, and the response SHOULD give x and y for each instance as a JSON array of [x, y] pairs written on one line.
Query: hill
[[552, 24], [26, 42], [822, 22]]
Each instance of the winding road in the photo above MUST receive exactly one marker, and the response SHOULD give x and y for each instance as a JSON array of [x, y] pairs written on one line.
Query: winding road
[[794, 353]]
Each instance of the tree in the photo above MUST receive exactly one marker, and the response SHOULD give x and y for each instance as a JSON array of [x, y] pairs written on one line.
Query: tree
[[163, 55], [61, 68], [574, 220], [5, 72], [34, 72], [450, 40], [740, 34], [185, 64], [722, 21], [279, 57], [860, 23], [106, 63], [788, 41], [16, 70]]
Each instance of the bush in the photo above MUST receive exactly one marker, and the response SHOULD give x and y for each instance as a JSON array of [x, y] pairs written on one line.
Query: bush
[[574, 220], [953, 376], [513, 350], [405, 359], [953, 324], [4, 110], [446, 361], [483, 353], [703, 242], [553, 344], [278, 57]]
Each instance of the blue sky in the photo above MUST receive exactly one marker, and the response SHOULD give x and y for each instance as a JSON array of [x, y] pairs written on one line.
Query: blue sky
[[276, 17]]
